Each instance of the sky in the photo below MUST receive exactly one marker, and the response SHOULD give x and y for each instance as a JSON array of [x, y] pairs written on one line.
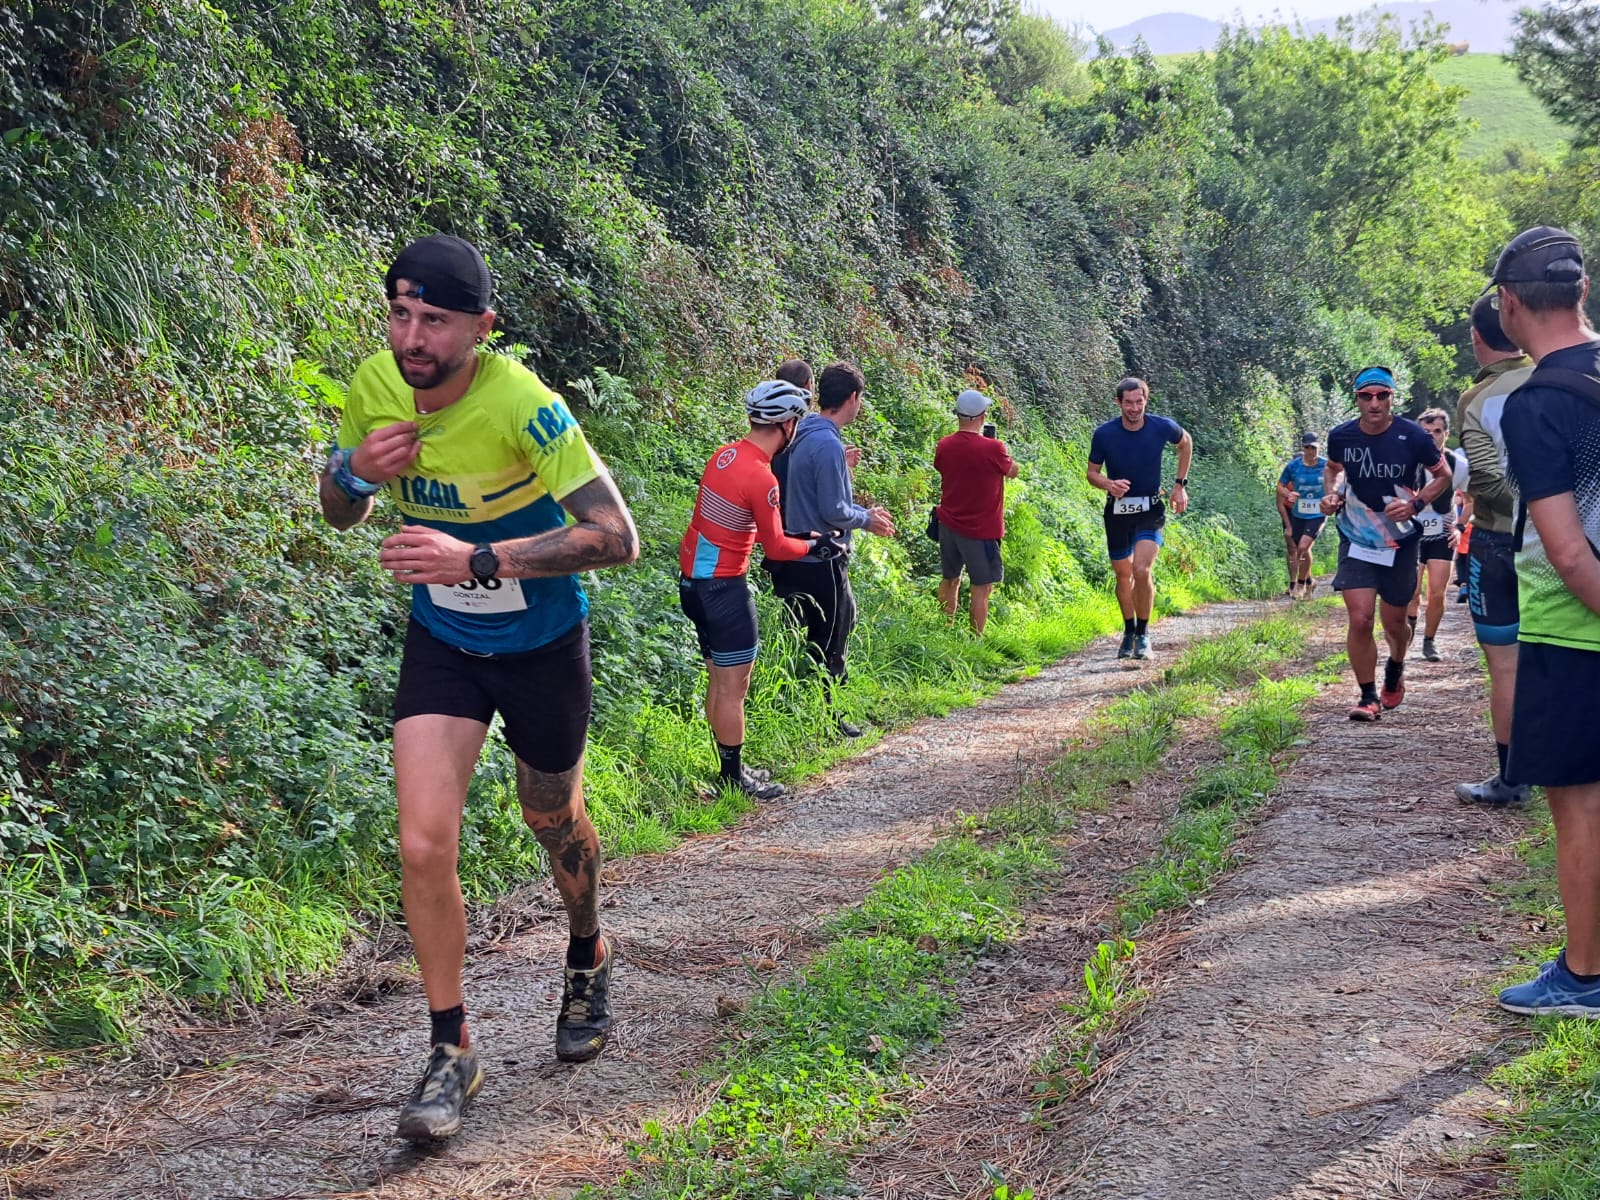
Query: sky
[[1111, 14]]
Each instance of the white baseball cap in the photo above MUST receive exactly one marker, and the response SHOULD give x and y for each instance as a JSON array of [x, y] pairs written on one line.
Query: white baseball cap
[[972, 403]]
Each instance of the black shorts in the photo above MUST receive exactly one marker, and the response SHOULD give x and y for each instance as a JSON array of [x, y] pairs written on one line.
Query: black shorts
[[543, 695], [1122, 531], [1435, 550], [1394, 584], [980, 556], [724, 616], [1492, 587], [1552, 719], [1302, 527]]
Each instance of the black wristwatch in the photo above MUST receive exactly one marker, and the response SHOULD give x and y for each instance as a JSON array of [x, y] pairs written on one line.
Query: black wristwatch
[[1181, 481], [485, 563]]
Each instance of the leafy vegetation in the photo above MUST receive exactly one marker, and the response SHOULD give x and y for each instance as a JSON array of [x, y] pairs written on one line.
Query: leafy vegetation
[[196, 201]]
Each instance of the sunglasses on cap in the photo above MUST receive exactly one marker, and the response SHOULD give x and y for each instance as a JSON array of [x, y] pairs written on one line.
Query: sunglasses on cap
[[1375, 394]]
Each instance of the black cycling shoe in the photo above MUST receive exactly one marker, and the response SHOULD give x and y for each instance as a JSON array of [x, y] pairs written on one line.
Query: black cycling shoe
[[585, 1012], [433, 1113]]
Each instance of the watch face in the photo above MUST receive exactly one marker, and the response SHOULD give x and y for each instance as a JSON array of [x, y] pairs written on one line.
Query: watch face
[[484, 562]]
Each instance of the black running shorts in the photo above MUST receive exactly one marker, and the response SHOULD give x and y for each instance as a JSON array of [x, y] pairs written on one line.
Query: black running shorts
[[724, 616], [1435, 550], [1301, 527], [1492, 587], [543, 695], [980, 556], [1122, 531], [1394, 584], [1553, 741]]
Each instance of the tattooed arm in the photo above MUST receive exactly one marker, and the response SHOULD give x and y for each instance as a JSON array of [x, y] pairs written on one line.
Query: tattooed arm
[[604, 536]]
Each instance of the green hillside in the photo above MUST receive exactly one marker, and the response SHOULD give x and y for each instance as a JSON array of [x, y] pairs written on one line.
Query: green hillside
[[1503, 107]]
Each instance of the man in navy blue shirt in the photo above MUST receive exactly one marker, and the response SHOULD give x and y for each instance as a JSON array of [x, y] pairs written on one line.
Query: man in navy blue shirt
[[1125, 463], [1552, 434], [1382, 470], [817, 496]]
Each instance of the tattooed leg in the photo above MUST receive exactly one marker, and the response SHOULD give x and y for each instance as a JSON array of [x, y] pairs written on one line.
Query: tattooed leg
[[552, 806]]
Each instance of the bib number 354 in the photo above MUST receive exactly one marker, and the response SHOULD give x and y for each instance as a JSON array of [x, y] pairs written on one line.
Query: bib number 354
[[1126, 505], [490, 596]]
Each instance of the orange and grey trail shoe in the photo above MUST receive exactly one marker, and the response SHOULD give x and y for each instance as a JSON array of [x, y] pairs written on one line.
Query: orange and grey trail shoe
[[1366, 710], [585, 1010], [451, 1078]]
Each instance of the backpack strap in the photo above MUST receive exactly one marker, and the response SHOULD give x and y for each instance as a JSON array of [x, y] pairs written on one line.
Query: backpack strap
[[1568, 380]]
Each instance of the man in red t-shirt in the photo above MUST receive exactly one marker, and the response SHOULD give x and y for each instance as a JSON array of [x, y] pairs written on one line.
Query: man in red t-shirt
[[973, 467]]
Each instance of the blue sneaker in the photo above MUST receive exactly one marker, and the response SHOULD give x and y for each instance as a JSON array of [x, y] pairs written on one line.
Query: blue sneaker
[[1126, 649], [1554, 992], [1141, 646]]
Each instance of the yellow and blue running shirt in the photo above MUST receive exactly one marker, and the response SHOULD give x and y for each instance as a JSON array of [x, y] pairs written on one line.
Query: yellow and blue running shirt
[[493, 466]]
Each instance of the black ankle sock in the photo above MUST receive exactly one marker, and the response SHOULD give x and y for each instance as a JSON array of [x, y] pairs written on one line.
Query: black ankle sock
[[1128, 624], [447, 1024], [1580, 978], [1392, 670], [1369, 692], [1141, 626], [581, 951], [729, 757], [1412, 622]]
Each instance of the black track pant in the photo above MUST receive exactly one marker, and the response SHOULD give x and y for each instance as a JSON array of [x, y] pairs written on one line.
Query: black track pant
[[819, 597]]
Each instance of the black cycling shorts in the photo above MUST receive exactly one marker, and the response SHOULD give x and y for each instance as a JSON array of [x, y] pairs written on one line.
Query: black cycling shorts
[[1123, 530], [1395, 584], [1303, 527], [724, 616], [1492, 587], [543, 695]]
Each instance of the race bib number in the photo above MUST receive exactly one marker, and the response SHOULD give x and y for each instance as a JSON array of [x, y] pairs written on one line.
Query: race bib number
[[1384, 557], [492, 596], [1432, 523], [1123, 506], [1308, 506]]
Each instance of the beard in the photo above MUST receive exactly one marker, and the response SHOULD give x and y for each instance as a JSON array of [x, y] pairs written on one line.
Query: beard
[[424, 374]]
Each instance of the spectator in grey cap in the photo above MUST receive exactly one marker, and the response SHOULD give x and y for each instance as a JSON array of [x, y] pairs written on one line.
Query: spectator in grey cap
[[973, 466]]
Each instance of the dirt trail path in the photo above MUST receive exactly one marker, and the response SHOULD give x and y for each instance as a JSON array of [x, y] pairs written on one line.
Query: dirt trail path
[[1316, 1032], [305, 1105]]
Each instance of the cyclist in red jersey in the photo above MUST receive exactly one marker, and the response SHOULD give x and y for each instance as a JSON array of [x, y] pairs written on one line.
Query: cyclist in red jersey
[[737, 504]]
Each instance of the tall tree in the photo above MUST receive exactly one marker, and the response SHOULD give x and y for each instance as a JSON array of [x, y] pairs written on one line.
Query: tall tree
[[1557, 53]]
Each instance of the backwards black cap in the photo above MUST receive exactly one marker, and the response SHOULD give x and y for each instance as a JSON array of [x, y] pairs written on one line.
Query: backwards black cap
[[444, 271], [1543, 254]]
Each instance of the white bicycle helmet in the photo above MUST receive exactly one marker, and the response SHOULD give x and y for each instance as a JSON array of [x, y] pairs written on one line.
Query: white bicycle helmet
[[774, 401]]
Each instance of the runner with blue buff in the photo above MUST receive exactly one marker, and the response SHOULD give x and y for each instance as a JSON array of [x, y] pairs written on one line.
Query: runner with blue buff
[[1382, 470]]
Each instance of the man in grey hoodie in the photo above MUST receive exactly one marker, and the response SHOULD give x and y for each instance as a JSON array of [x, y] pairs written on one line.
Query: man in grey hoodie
[[817, 491]]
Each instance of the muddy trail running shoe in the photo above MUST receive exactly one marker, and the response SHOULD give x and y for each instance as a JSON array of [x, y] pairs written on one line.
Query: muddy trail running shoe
[[585, 1010], [1141, 645], [757, 787], [1126, 649], [1555, 991], [1430, 651], [451, 1078], [1494, 792], [1366, 710]]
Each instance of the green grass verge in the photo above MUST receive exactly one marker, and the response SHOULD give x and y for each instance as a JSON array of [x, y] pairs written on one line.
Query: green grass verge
[[819, 1062], [1551, 1114]]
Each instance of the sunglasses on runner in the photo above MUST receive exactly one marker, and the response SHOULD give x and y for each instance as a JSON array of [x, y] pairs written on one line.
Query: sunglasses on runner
[[1374, 394]]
